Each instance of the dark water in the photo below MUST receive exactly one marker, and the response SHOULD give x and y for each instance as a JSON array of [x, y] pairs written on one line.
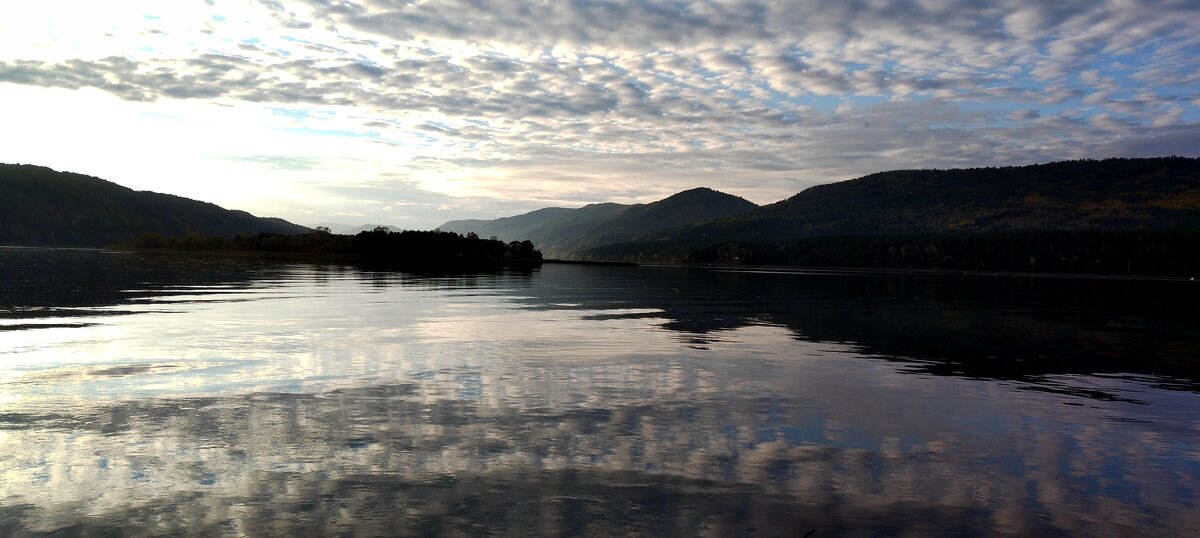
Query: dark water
[[150, 395]]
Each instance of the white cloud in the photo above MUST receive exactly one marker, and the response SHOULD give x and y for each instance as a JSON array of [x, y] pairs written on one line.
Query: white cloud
[[750, 97]]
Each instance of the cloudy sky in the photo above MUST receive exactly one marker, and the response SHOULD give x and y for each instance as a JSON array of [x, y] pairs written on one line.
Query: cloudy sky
[[416, 112]]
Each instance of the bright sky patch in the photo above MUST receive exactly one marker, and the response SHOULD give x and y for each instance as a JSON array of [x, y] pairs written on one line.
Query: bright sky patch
[[415, 113]]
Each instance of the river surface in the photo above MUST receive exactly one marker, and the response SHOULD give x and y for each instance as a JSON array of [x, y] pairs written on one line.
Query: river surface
[[157, 395]]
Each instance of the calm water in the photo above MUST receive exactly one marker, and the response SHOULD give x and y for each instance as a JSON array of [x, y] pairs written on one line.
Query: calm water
[[151, 395]]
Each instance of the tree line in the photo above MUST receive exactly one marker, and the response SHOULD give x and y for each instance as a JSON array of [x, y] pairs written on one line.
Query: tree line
[[1108, 252], [434, 246]]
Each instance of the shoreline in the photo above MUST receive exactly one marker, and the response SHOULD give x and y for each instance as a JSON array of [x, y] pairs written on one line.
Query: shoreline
[[593, 262], [785, 269], [780, 269], [317, 256]]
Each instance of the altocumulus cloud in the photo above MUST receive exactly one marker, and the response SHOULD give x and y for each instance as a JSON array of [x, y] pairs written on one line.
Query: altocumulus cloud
[[509, 105]]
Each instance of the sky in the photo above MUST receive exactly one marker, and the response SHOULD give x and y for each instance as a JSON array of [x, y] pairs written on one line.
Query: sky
[[412, 113]]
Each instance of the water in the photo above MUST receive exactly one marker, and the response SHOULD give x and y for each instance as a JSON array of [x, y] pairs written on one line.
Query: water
[[158, 395]]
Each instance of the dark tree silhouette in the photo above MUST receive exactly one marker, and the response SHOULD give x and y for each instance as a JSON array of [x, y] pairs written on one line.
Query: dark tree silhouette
[[435, 247]]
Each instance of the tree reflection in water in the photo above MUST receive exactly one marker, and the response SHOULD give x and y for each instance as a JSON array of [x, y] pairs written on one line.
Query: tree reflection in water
[[248, 398]]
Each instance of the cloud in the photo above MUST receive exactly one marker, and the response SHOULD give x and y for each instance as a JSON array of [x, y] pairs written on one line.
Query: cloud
[[827, 91], [420, 391], [1175, 140]]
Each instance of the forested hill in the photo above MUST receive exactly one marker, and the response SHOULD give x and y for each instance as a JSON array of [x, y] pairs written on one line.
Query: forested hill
[[564, 232], [1112, 194], [1115, 216], [519, 227], [43, 207]]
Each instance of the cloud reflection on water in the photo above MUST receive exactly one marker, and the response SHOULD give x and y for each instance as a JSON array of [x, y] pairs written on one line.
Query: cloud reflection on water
[[577, 401]]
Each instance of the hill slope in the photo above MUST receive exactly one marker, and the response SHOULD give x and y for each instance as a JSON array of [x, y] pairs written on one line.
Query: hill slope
[[1117, 216], [516, 228], [43, 207], [562, 237], [681, 209], [567, 232], [1113, 194]]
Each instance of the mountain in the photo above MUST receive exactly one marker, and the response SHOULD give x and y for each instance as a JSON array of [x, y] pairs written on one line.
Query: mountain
[[517, 228], [681, 209], [562, 232], [1052, 207], [43, 207], [1112, 194], [578, 229]]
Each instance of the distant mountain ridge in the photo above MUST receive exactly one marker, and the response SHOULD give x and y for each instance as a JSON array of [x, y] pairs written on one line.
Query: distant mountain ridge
[[1088, 196], [561, 232], [43, 207], [519, 227], [1114, 216], [1111, 194], [1059, 204]]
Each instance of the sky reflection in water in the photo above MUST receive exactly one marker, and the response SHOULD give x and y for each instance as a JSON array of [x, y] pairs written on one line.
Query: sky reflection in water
[[150, 395]]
